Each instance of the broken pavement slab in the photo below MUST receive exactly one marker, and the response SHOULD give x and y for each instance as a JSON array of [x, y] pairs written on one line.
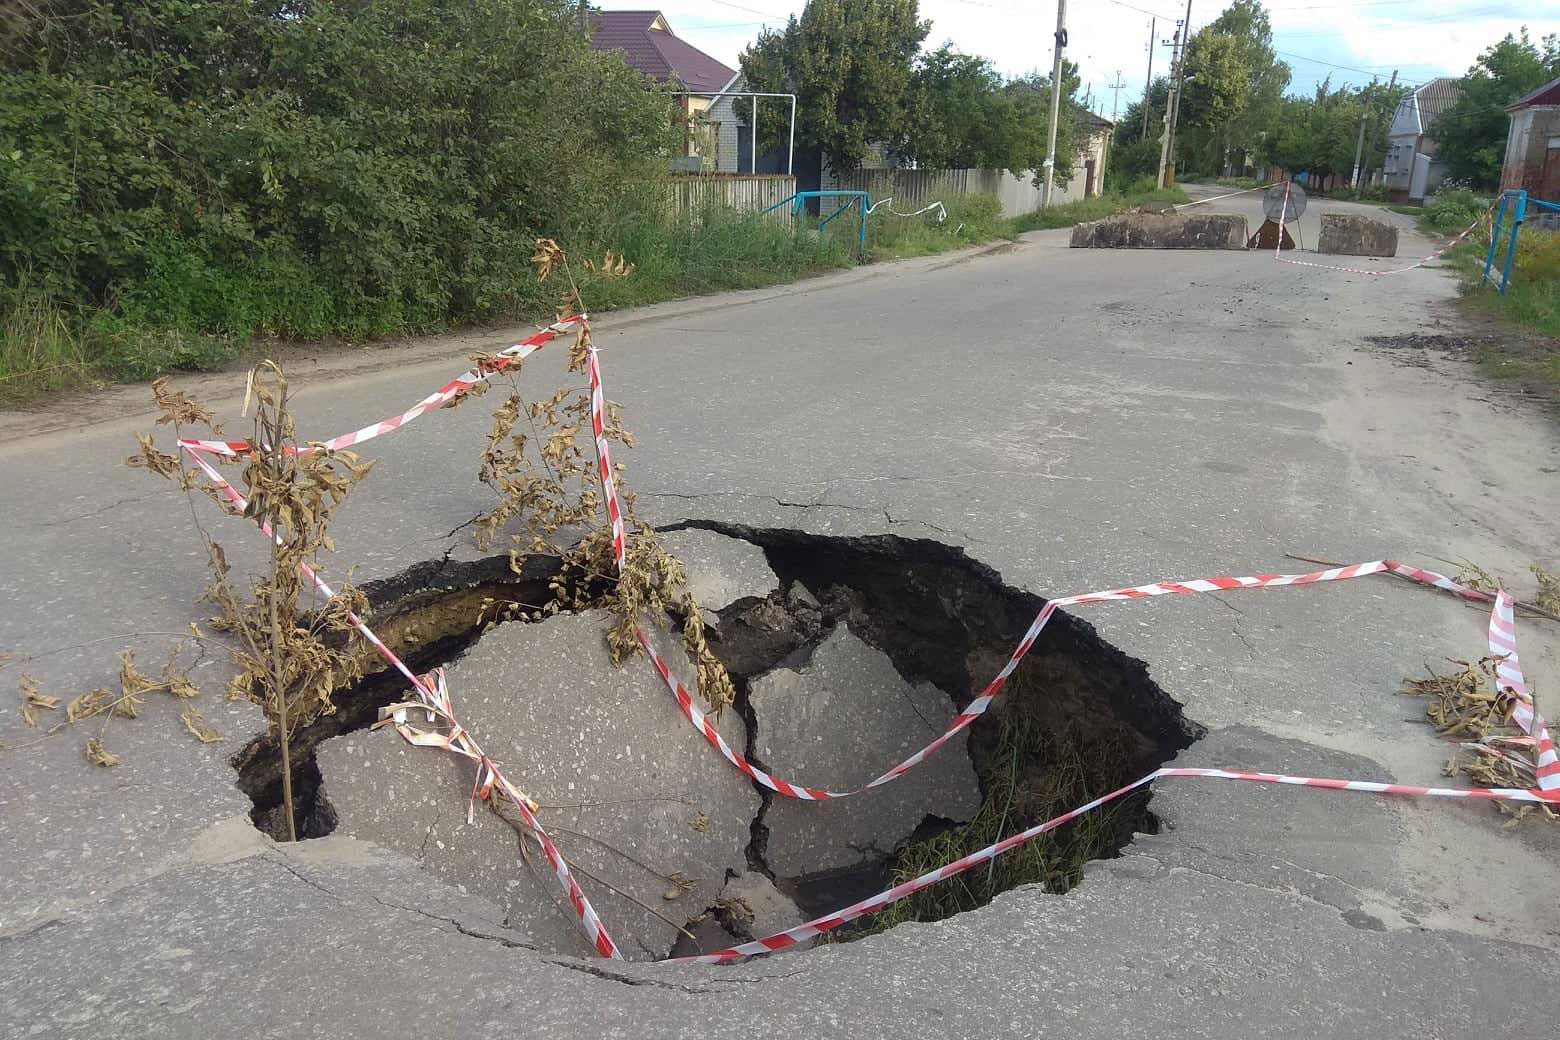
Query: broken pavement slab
[[837, 722], [613, 763], [760, 908], [1346, 234], [721, 570], [1161, 231]]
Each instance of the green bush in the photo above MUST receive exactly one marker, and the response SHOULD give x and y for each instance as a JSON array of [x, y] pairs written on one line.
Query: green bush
[[1138, 159], [1453, 210], [212, 170]]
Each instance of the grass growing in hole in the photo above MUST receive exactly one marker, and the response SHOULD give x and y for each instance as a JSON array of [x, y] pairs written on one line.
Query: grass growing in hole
[[1032, 775]]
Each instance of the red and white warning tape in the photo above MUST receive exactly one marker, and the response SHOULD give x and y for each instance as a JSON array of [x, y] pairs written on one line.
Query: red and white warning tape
[[433, 696], [818, 925], [433, 699], [440, 397], [1283, 213]]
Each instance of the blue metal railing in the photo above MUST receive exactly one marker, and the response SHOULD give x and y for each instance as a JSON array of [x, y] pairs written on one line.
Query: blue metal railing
[[860, 199], [1513, 204]]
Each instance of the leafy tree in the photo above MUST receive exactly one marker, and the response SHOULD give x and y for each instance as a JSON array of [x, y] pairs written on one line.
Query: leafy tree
[[1216, 94], [1317, 134], [849, 62], [1031, 99], [1246, 23], [1471, 134], [305, 167], [959, 116]]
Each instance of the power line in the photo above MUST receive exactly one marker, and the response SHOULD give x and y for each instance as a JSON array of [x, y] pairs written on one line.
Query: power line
[[1332, 64], [750, 10], [1144, 10]]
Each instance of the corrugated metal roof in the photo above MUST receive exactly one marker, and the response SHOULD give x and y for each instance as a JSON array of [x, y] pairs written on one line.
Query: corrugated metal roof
[[1548, 94], [1434, 98], [655, 51]]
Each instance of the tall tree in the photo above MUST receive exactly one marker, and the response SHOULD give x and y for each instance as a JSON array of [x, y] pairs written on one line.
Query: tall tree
[[849, 62], [1246, 23], [1471, 135], [962, 116], [1217, 92]]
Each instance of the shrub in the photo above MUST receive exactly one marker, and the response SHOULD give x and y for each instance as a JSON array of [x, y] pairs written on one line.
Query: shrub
[[342, 167], [1453, 210]]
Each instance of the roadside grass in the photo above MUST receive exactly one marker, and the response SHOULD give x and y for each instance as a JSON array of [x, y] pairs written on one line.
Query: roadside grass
[[191, 316], [1529, 310], [1237, 182], [1407, 211], [971, 219], [41, 349]]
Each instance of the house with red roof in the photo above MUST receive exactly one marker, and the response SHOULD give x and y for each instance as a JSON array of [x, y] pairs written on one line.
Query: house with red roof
[[1533, 143], [646, 41]]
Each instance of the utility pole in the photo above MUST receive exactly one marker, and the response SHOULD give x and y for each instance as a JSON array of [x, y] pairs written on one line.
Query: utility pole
[[1148, 82], [1056, 102], [1115, 95], [1376, 126], [1180, 86], [1170, 106], [1359, 145]]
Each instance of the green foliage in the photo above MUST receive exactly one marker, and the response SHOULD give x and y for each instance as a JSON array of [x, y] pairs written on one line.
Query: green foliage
[[1318, 134], [1471, 134], [710, 251], [1451, 211], [971, 219], [40, 349], [849, 63], [1533, 295], [1135, 159], [221, 168], [1034, 774], [962, 116]]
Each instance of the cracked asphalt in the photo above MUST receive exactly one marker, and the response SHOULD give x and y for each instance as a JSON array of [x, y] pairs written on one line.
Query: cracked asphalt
[[1076, 419]]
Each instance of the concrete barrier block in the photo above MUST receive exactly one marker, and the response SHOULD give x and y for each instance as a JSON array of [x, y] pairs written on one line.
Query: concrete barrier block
[[1162, 231], [1349, 235]]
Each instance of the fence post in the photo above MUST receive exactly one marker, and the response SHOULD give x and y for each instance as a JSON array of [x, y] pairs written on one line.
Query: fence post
[[1520, 211], [1500, 216]]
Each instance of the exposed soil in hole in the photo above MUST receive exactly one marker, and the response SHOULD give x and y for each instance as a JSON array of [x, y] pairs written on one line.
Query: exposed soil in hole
[[1077, 718]]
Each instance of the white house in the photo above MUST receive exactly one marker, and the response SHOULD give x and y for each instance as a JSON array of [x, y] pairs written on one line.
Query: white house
[[1411, 171]]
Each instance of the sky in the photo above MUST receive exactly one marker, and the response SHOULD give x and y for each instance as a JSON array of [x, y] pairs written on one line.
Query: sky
[[1351, 42]]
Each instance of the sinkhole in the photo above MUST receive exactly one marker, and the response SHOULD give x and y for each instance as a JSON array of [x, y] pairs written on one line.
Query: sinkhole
[[847, 654]]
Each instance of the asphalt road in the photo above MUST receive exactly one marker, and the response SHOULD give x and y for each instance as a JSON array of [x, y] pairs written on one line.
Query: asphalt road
[[1077, 419]]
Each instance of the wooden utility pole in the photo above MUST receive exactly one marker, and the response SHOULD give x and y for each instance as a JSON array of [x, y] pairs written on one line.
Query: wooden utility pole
[[1170, 106], [1359, 146], [1056, 102], [1376, 126], [1180, 85], [1148, 83]]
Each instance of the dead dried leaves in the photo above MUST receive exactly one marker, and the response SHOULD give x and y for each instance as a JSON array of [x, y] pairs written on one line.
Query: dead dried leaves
[[1466, 705]]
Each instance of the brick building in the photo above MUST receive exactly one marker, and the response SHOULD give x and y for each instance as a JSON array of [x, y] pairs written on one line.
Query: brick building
[[1533, 143]]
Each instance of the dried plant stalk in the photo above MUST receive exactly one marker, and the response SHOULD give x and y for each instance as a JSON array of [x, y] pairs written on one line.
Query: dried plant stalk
[[547, 480], [288, 661]]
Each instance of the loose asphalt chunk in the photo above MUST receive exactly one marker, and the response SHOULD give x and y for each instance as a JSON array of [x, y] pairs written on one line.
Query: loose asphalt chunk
[[628, 791], [721, 570], [843, 718]]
